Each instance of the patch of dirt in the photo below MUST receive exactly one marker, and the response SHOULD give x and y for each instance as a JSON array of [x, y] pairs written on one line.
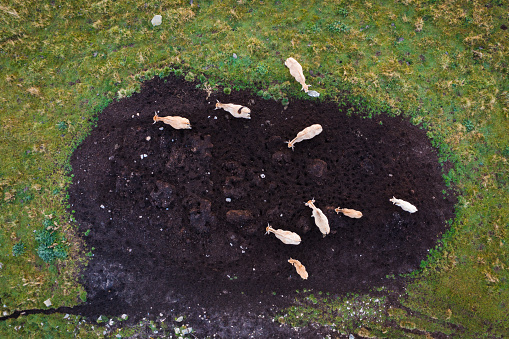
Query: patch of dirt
[[183, 228]]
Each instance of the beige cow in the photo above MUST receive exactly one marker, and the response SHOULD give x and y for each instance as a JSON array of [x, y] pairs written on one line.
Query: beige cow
[[405, 205], [307, 133], [174, 121], [296, 71], [301, 269], [287, 237], [349, 212], [238, 111], [320, 219]]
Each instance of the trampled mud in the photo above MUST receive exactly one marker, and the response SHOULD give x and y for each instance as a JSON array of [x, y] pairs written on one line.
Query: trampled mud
[[178, 217]]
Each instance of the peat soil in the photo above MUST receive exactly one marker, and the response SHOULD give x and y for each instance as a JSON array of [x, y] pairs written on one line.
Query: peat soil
[[177, 217]]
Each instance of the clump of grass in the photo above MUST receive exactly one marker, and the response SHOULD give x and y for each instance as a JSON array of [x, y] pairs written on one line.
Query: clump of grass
[[337, 27], [262, 69], [313, 28], [342, 11], [178, 72], [50, 246], [469, 125], [190, 76], [18, 249], [62, 125]]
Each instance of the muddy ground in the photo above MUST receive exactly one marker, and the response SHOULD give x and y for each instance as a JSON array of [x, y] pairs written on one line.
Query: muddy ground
[[178, 217]]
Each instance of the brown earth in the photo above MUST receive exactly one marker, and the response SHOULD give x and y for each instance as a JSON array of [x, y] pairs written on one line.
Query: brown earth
[[182, 229]]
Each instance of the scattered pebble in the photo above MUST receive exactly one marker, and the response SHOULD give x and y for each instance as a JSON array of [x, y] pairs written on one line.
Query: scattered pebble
[[147, 138], [228, 199]]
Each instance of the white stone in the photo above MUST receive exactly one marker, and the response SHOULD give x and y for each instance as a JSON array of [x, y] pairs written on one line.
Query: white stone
[[47, 302], [156, 20]]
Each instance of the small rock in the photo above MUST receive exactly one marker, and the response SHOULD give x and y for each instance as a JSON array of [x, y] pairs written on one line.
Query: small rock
[[234, 56], [156, 20], [47, 302], [179, 319]]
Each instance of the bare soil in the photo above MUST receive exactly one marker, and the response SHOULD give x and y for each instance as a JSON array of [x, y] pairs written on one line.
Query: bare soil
[[182, 229]]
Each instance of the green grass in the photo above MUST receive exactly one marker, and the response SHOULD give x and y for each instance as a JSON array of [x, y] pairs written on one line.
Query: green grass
[[444, 64]]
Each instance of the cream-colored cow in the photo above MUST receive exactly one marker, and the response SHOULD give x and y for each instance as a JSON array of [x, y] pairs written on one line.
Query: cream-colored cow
[[349, 212], [238, 111], [405, 205], [307, 133], [287, 237], [320, 219], [174, 121], [296, 71], [301, 269]]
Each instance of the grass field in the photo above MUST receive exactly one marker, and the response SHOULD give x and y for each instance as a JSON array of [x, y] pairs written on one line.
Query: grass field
[[442, 63]]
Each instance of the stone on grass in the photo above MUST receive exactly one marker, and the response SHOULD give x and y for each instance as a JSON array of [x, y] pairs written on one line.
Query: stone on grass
[[156, 20], [47, 302]]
